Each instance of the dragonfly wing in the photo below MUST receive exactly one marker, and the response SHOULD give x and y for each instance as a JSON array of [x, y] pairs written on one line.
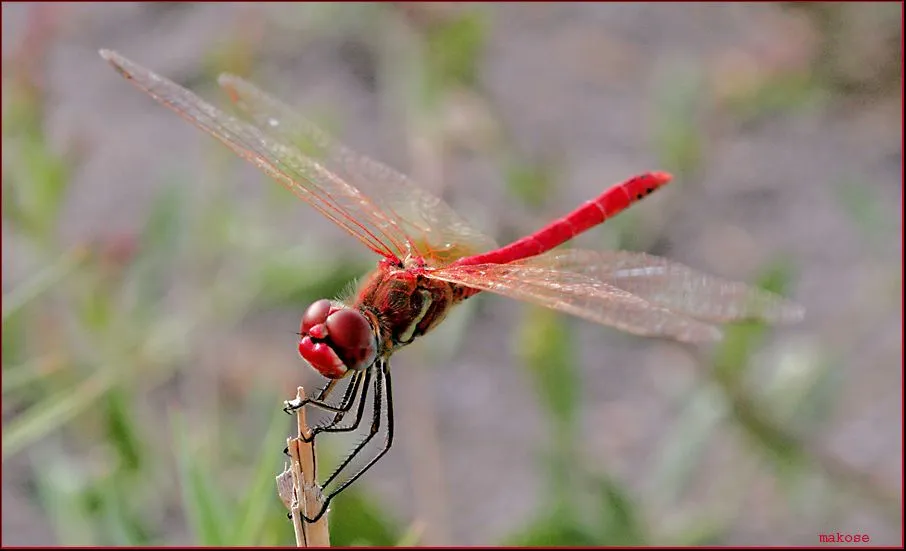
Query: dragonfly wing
[[434, 230], [329, 194], [673, 286], [580, 295]]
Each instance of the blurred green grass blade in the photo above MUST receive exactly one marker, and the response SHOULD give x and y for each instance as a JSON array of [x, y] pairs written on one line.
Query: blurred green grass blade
[[682, 450], [277, 530], [531, 182], [357, 520], [123, 430], [118, 524], [165, 220], [412, 537], [741, 340], [764, 431], [39, 180], [96, 311], [559, 460], [158, 244], [760, 426], [777, 276], [48, 179], [261, 496], [16, 339], [620, 522], [545, 346], [205, 507], [731, 365], [454, 50], [710, 531], [23, 112], [775, 95], [53, 412], [60, 491], [43, 281], [805, 386], [553, 530], [802, 394], [16, 378], [818, 401]]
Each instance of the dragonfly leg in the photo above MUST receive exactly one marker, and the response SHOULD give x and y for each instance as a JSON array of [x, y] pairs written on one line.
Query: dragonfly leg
[[364, 380], [291, 406], [382, 389], [345, 406], [379, 392]]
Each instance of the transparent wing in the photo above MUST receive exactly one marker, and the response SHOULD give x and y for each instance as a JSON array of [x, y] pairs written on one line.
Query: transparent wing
[[580, 295], [433, 229], [672, 285], [309, 179]]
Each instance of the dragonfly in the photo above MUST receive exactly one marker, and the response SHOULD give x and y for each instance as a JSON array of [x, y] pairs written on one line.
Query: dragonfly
[[431, 259]]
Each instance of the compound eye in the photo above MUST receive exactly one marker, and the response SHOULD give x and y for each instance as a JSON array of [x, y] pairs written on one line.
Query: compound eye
[[353, 338], [314, 315]]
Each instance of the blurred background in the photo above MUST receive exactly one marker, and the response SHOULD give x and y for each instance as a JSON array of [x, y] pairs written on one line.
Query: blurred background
[[153, 283]]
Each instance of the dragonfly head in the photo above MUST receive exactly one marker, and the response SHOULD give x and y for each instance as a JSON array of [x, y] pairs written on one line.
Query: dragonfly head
[[336, 339]]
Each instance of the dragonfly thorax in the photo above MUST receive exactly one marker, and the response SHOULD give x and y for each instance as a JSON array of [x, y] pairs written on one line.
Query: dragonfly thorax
[[336, 339]]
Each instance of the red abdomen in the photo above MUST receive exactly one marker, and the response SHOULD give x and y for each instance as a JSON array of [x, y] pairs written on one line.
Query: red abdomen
[[611, 202]]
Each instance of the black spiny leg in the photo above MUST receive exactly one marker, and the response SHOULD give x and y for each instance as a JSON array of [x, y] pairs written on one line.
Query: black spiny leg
[[290, 406], [363, 380], [382, 376], [349, 397], [343, 409]]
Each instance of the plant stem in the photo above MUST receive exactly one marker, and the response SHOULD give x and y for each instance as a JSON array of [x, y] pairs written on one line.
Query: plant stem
[[303, 483]]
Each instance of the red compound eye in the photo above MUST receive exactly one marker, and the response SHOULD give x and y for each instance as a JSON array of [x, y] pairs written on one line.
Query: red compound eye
[[336, 339], [322, 358], [315, 314], [352, 337]]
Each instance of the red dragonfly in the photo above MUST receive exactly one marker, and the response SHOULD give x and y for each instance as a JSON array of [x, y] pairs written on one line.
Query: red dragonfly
[[431, 259]]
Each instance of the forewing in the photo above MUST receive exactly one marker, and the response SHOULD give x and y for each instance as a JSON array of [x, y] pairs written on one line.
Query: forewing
[[580, 295], [430, 226], [673, 286], [309, 179]]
